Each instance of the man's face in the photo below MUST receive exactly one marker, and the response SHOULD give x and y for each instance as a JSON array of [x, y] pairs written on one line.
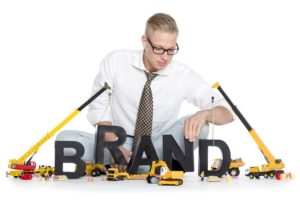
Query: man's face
[[158, 40]]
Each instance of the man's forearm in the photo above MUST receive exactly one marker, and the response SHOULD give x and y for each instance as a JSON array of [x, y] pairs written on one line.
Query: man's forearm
[[109, 136], [219, 115], [105, 123]]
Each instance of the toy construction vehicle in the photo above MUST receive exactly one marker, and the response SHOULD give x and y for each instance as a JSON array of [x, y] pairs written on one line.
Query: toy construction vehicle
[[113, 174], [162, 175], [274, 166], [44, 171], [25, 168], [94, 169], [234, 165]]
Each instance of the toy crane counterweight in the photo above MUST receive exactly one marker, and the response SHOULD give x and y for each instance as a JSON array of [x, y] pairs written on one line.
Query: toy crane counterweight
[[21, 165]]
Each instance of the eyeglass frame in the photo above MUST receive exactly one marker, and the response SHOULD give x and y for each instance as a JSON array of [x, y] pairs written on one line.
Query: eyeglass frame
[[164, 50]]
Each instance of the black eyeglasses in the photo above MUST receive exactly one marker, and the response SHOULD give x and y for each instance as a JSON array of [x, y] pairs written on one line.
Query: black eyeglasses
[[159, 50]]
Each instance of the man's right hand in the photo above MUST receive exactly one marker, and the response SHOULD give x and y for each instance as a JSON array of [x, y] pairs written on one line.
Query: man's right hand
[[126, 153]]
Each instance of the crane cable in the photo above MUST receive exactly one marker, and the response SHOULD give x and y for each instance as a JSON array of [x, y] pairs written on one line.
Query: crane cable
[[213, 120]]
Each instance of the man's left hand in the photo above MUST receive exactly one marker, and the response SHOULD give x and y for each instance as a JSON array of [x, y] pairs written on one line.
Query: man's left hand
[[194, 124]]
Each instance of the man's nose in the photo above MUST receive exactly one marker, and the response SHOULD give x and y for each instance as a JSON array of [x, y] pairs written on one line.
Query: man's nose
[[165, 55]]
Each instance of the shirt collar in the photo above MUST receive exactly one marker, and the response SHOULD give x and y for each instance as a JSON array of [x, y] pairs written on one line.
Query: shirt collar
[[139, 64]]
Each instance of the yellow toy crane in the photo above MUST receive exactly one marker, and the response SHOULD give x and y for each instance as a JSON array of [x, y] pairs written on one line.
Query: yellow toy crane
[[162, 175], [24, 169], [274, 166]]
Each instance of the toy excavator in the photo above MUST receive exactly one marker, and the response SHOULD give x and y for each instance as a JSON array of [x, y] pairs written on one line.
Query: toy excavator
[[162, 175], [274, 166], [25, 168]]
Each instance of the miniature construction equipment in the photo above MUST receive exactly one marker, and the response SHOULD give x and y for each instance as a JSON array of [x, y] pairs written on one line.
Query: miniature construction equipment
[[94, 169], [234, 166], [162, 175], [113, 174], [25, 168], [44, 171], [274, 166]]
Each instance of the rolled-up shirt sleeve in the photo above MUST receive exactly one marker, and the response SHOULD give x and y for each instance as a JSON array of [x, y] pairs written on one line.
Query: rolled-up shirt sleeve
[[200, 93], [99, 109]]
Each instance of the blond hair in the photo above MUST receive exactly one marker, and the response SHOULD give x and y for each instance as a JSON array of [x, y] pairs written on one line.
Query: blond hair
[[161, 22]]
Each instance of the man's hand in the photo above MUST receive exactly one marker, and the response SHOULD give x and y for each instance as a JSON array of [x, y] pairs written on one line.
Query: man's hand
[[194, 124], [126, 153]]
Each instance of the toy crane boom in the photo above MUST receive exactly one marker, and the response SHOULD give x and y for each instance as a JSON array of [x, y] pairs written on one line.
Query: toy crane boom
[[273, 164], [21, 164]]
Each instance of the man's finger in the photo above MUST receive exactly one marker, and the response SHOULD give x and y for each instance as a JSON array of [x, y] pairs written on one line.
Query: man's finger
[[190, 135], [198, 130], [186, 128], [194, 132]]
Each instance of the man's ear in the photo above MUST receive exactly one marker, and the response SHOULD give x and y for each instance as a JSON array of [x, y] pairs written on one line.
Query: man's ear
[[144, 41]]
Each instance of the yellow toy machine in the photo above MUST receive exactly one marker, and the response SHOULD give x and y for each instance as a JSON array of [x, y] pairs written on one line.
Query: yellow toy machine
[[94, 169], [44, 171], [113, 174], [23, 168], [162, 175], [234, 166], [274, 166]]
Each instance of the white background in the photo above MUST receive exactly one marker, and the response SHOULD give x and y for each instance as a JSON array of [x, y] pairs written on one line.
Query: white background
[[50, 53]]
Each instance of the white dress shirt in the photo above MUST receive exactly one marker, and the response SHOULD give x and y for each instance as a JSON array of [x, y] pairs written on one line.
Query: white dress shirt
[[124, 70]]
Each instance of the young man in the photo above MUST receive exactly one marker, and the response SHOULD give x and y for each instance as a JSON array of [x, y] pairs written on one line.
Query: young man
[[148, 88]]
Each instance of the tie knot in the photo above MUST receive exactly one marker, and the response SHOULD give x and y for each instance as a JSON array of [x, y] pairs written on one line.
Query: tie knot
[[150, 76]]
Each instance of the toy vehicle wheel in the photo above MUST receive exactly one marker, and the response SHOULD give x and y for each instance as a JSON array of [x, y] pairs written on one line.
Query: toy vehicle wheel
[[271, 174], [234, 172], [266, 175], [98, 172], [148, 179], [180, 182], [251, 176], [94, 173], [20, 175], [152, 179]]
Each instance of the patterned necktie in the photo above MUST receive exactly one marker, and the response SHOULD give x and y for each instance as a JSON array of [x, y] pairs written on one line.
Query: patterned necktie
[[143, 124]]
